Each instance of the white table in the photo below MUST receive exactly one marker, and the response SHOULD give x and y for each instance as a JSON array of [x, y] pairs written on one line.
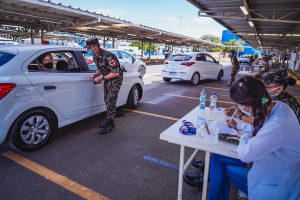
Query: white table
[[248, 73], [172, 135]]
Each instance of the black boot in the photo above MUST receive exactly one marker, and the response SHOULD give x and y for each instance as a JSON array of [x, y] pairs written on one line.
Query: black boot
[[101, 126], [108, 127], [199, 164], [194, 179]]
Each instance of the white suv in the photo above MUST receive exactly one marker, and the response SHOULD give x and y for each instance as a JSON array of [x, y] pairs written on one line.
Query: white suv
[[34, 102]]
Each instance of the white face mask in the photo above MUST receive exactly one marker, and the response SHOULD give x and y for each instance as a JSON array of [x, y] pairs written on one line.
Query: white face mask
[[249, 113], [273, 96]]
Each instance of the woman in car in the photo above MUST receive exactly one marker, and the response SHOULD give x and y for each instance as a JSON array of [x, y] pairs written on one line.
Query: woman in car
[[46, 62], [269, 158]]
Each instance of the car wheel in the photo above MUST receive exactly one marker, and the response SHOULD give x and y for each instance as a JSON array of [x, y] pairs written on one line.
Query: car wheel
[[142, 70], [167, 80], [220, 75], [32, 130], [195, 78], [133, 97]]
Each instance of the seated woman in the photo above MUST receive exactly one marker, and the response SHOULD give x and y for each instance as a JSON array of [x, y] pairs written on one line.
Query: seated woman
[[269, 165], [46, 62], [276, 83]]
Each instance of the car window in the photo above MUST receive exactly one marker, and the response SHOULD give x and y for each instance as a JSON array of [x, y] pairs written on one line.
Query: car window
[[63, 61], [200, 57], [116, 54], [209, 59], [5, 58], [125, 55], [90, 62], [179, 57]]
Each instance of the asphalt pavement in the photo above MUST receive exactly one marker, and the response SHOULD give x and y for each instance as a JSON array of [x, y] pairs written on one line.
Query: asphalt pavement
[[129, 163]]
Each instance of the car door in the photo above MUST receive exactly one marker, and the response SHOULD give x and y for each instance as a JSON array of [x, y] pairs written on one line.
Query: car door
[[98, 103], [64, 86], [212, 66], [202, 66]]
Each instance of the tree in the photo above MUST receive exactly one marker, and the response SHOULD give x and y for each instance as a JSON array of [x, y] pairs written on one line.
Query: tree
[[214, 39], [236, 45], [211, 38], [147, 46]]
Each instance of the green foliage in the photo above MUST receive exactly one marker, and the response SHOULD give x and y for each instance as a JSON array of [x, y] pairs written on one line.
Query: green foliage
[[233, 43], [147, 46], [211, 38]]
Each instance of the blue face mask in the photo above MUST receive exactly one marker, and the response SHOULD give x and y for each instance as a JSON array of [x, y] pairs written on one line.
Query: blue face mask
[[90, 52]]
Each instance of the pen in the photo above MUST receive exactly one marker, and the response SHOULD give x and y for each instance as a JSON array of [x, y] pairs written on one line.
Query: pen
[[232, 115]]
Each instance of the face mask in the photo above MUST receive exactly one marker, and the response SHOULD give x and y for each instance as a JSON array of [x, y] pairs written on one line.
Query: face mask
[[90, 52], [245, 112], [274, 96], [48, 65]]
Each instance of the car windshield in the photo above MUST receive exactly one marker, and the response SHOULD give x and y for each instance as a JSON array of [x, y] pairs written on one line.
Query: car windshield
[[5, 58], [179, 57]]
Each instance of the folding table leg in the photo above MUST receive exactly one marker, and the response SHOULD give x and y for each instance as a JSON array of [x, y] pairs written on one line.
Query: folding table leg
[[206, 170], [181, 171]]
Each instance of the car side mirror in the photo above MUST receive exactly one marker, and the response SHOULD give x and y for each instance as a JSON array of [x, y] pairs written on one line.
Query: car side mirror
[[217, 62]]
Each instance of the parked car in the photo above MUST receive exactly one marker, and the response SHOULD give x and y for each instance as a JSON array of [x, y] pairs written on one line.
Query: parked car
[[192, 66], [125, 59], [244, 58], [33, 103]]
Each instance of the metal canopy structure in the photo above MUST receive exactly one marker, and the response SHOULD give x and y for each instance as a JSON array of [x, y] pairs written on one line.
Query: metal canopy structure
[[267, 24], [24, 18]]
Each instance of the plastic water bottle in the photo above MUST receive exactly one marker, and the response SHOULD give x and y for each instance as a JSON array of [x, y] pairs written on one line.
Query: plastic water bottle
[[203, 97], [201, 117], [213, 101]]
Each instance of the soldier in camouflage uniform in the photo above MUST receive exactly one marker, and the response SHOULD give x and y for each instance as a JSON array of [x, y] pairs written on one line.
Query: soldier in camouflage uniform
[[265, 65], [110, 71], [276, 83], [235, 66]]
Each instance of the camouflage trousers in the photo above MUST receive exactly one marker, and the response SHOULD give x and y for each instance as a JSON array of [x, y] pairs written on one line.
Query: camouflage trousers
[[234, 71], [111, 92]]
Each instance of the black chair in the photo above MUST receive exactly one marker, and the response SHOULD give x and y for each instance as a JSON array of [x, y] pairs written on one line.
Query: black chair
[[62, 65]]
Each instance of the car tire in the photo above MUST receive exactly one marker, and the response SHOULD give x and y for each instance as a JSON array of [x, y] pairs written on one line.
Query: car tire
[[26, 134], [195, 78], [220, 75], [142, 70], [167, 80], [133, 98]]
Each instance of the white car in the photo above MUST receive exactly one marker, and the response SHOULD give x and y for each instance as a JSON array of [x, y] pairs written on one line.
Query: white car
[[192, 66], [34, 102], [244, 58], [125, 59]]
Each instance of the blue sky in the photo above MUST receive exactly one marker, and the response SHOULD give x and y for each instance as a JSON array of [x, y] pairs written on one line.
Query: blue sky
[[162, 14]]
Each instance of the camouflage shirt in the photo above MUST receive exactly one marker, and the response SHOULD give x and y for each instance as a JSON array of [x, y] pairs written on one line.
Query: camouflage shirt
[[234, 61], [266, 67], [107, 63], [292, 102]]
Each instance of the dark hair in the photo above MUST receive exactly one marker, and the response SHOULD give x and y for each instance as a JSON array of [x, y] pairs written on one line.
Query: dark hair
[[42, 57], [251, 92]]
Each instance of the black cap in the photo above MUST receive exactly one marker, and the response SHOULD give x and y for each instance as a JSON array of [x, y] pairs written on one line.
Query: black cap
[[91, 41], [232, 51], [279, 77]]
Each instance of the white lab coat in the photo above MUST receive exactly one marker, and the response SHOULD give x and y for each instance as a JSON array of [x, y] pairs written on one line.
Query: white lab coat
[[275, 153]]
